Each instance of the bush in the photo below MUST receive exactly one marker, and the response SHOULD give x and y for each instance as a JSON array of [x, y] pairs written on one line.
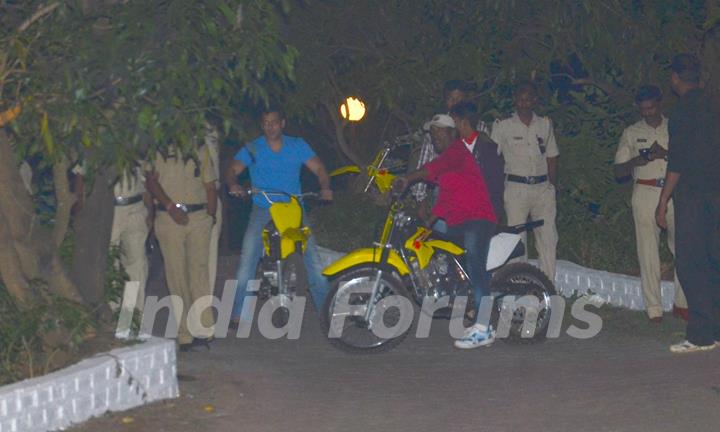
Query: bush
[[49, 333]]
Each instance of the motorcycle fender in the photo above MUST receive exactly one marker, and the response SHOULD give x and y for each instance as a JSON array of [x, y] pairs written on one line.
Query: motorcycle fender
[[292, 237], [345, 170], [502, 246], [365, 256], [426, 249]]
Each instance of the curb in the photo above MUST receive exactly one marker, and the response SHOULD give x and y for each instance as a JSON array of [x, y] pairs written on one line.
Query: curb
[[118, 380], [572, 279]]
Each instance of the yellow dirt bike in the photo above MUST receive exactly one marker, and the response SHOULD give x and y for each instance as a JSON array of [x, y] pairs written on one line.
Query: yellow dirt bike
[[281, 270], [365, 312]]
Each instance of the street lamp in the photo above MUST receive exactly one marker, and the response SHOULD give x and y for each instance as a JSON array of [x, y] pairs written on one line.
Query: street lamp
[[352, 109]]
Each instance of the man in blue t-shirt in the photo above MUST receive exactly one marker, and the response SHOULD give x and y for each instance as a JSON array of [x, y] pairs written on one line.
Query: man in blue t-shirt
[[274, 161]]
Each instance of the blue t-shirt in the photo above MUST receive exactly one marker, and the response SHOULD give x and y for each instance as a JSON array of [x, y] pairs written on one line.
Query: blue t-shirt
[[276, 171]]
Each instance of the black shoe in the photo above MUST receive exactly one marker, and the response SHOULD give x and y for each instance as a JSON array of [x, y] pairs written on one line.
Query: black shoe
[[197, 343]]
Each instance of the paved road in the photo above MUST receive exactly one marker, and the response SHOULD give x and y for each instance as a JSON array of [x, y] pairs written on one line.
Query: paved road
[[617, 381]]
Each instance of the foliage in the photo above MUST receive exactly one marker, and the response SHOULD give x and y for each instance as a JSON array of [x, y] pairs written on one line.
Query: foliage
[[352, 221], [36, 339], [114, 84], [40, 338]]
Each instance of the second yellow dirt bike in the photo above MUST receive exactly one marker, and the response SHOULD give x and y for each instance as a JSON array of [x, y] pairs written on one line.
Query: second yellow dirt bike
[[365, 311]]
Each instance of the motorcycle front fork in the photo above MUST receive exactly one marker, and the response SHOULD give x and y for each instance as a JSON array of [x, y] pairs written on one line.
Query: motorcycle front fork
[[373, 294]]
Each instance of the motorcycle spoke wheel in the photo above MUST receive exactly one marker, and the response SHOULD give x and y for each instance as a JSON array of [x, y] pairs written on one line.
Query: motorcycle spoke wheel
[[356, 334], [522, 279]]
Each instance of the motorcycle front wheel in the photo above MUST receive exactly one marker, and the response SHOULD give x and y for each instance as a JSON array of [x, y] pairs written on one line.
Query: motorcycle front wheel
[[294, 282], [531, 290], [344, 316]]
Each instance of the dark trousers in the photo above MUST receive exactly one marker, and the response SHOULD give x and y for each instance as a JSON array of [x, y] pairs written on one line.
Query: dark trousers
[[697, 258], [475, 236]]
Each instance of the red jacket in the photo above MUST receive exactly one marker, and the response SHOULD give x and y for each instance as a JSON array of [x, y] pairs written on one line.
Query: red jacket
[[463, 194]]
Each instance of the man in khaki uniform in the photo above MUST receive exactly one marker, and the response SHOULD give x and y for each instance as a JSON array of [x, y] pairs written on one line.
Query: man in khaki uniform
[[527, 142], [130, 229], [642, 153], [187, 201]]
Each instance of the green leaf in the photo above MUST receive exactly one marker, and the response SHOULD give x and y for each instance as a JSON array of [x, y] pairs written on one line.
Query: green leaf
[[145, 117], [46, 135], [227, 13]]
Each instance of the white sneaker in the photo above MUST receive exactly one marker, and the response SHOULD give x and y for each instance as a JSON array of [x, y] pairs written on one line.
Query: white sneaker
[[688, 347], [476, 336]]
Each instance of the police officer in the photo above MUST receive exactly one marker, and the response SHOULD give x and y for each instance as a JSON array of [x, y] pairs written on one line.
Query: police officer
[[527, 142], [131, 225], [642, 153], [185, 190]]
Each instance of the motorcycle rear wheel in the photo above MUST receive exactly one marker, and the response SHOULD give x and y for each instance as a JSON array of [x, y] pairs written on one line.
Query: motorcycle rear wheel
[[522, 279], [355, 334]]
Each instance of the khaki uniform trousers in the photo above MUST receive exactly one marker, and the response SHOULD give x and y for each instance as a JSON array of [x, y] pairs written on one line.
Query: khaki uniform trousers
[[647, 236], [538, 202], [185, 252], [214, 246], [129, 232]]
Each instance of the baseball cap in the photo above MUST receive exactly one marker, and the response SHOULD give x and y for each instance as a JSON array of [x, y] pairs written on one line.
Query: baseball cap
[[440, 120]]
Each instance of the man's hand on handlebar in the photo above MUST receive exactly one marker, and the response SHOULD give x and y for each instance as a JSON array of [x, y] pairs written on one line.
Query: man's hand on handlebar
[[238, 191], [326, 195], [399, 185]]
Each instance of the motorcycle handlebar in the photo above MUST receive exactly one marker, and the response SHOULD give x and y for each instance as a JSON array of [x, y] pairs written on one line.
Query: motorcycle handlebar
[[268, 192]]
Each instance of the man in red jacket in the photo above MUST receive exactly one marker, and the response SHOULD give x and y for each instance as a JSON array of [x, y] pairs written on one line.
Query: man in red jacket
[[464, 203]]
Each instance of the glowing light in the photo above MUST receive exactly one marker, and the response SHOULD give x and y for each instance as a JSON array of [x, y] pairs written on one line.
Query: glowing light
[[352, 109]]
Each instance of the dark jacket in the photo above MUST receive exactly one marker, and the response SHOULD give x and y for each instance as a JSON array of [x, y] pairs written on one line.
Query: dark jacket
[[493, 167]]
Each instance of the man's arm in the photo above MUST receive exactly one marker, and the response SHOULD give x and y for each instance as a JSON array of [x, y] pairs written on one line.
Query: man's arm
[[552, 164], [401, 183], [234, 170], [153, 186], [148, 201], [212, 198], [624, 170], [671, 180], [316, 166]]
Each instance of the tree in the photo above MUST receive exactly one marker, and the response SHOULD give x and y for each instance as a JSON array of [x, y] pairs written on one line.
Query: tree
[[108, 83]]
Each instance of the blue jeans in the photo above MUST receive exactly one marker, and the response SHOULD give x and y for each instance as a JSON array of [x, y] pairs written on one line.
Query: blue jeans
[[440, 226], [252, 250], [475, 236]]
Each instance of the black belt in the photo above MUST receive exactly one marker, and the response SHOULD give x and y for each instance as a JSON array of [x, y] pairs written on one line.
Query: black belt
[[187, 208], [527, 180], [126, 201]]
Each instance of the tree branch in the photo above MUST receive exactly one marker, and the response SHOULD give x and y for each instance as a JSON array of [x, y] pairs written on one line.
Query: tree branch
[[37, 15], [65, 199]]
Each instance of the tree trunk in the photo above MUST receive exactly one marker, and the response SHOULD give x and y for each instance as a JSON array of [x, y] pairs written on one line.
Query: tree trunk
[[340, 135], [27, 251], [93, 226]]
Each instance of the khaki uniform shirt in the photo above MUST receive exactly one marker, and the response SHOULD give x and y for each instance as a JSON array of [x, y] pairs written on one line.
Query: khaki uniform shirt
[[129, 185], [639, 136], [525, 148], [184, 181]]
